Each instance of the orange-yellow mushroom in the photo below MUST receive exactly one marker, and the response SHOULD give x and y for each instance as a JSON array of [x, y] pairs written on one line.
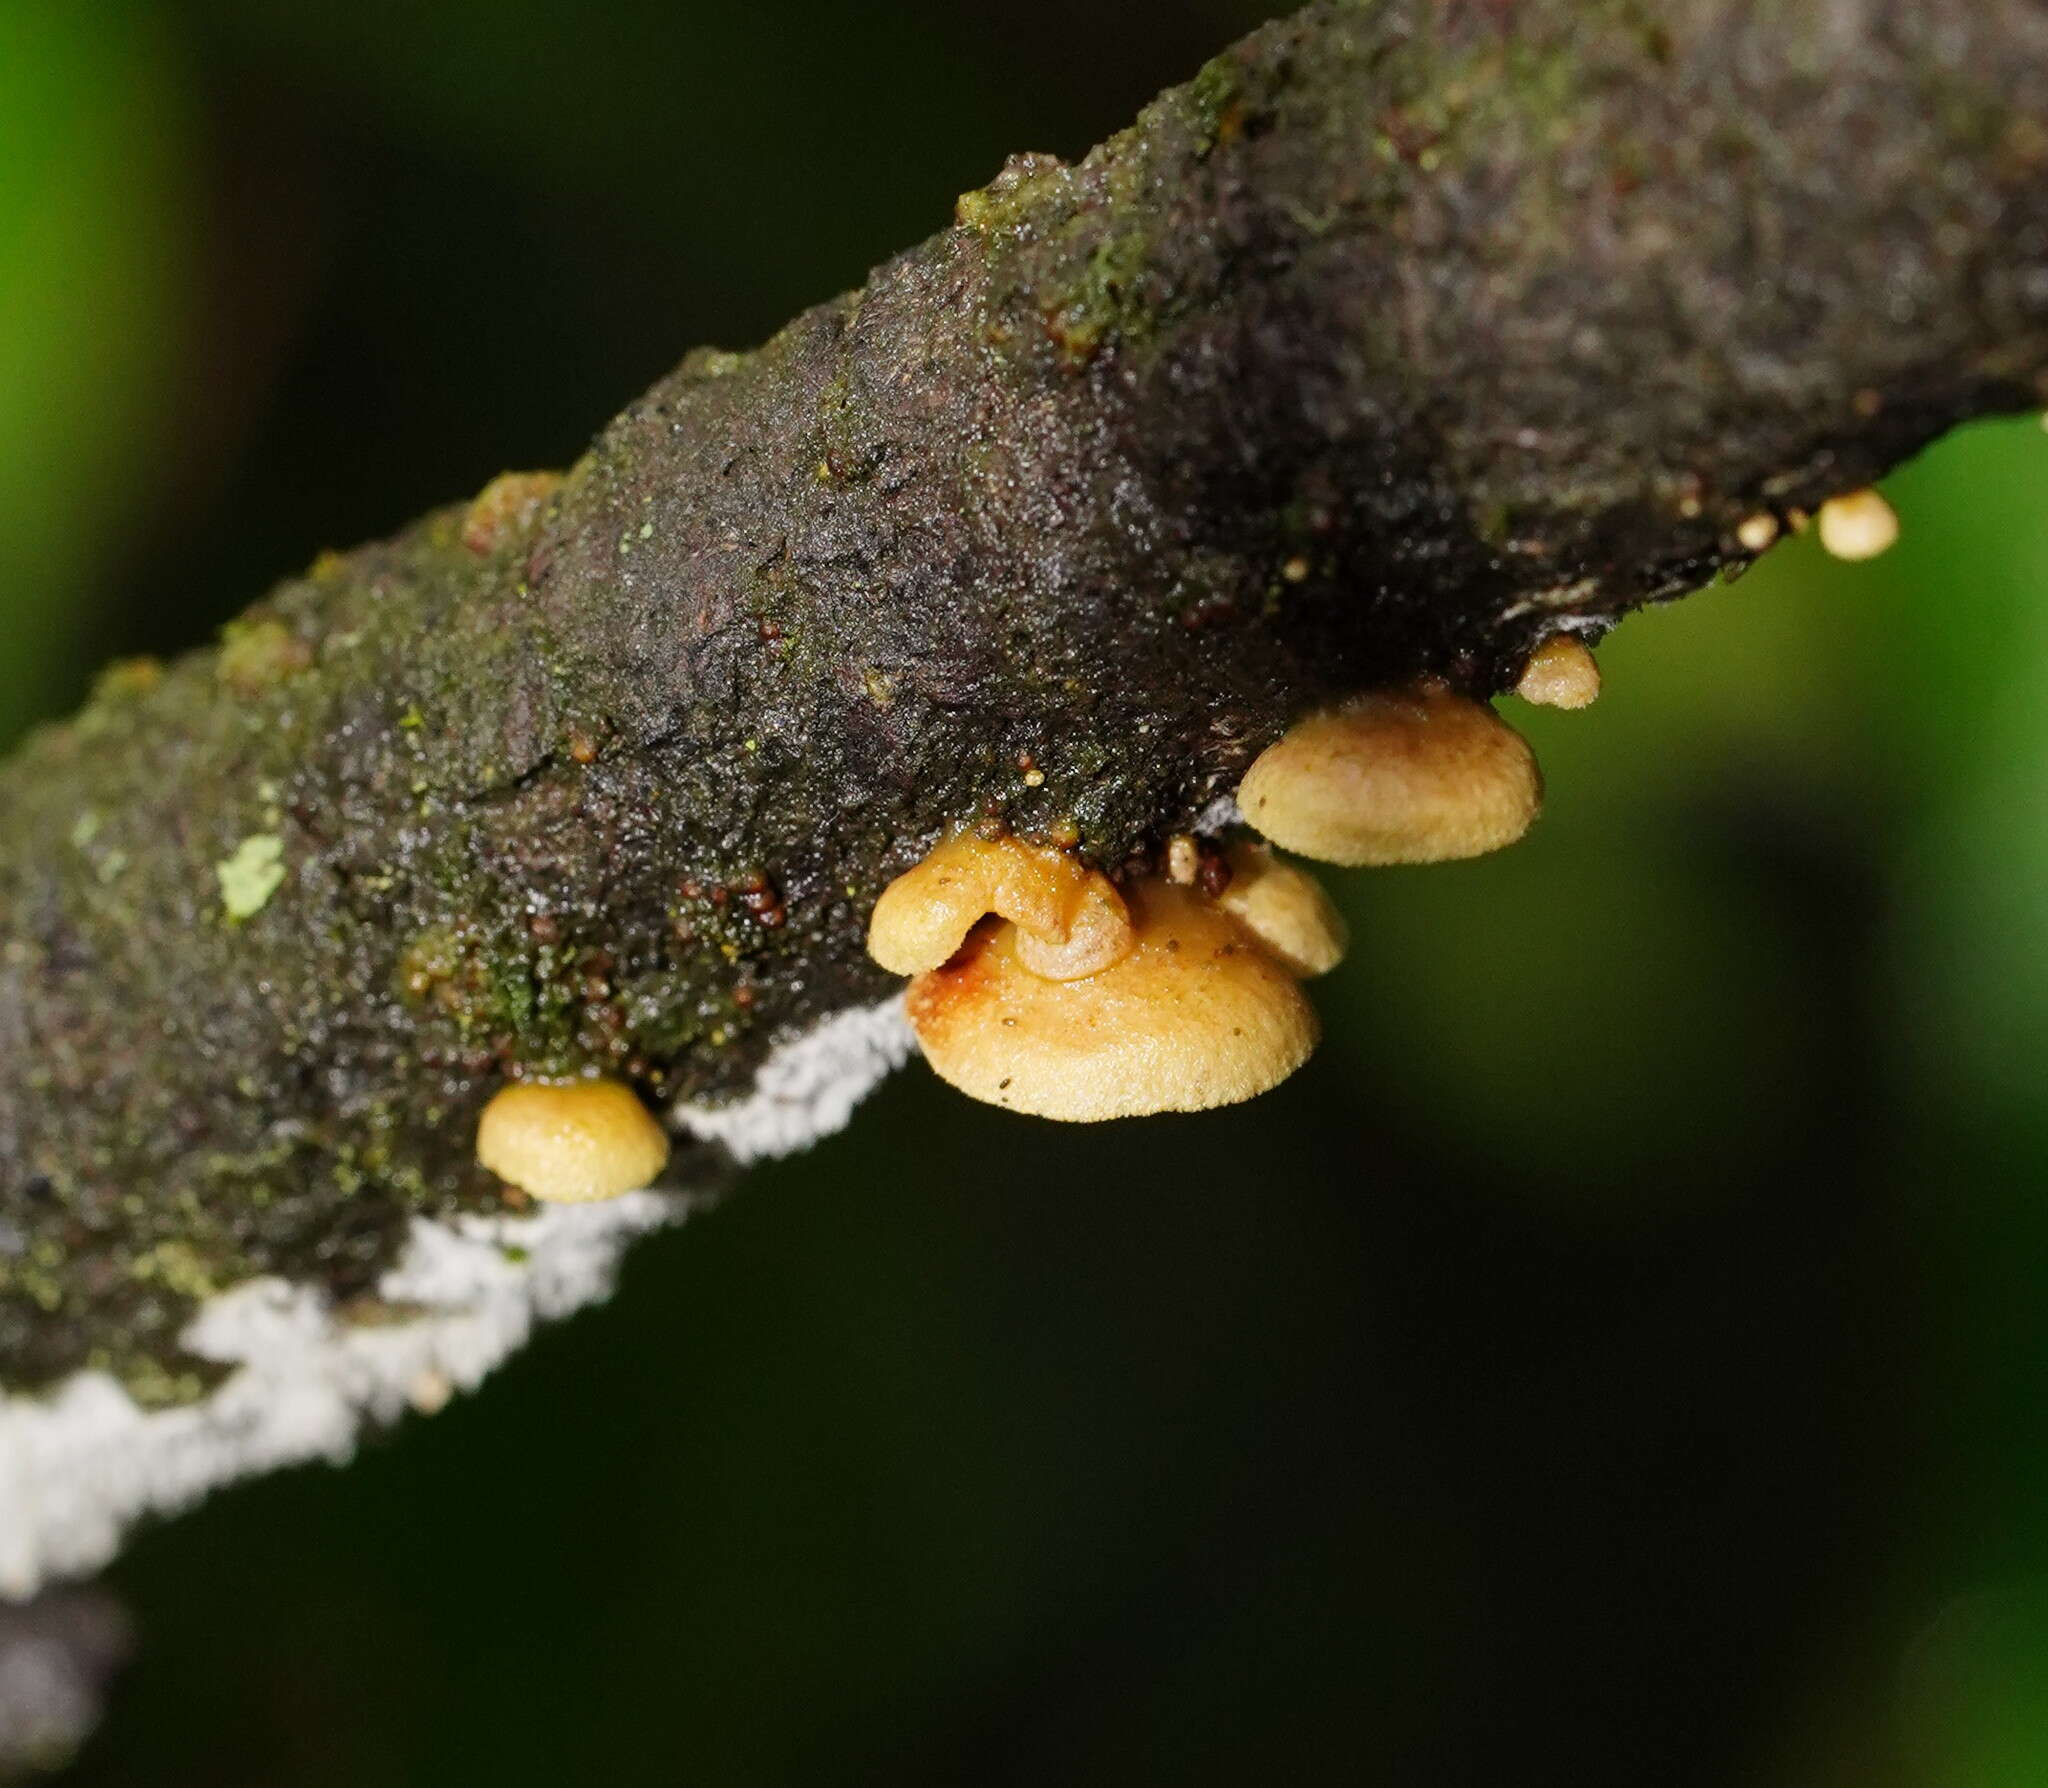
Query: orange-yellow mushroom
[[1098, 933], [1195, 1014], [1073, 915], [1286, 910], [1561, 673], [1415, 776], [573, 1142], [1858, 526]]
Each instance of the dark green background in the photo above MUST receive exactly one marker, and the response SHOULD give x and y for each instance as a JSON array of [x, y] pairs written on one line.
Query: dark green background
[[1618, 1359]]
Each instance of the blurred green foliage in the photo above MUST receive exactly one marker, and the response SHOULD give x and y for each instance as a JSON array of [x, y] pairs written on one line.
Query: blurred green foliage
[[95, 245], [1616, 1360]]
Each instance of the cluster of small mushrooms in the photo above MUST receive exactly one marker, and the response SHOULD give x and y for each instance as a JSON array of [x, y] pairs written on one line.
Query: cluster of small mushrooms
[[1040, 984]]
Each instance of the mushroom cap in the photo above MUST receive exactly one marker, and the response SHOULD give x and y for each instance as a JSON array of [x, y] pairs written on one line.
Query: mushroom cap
[[571, 1142], [1561, 673], [1858, 525], [1286, 909], [1755, 533], [1196, 1015], [925, 914], [1418, 776]]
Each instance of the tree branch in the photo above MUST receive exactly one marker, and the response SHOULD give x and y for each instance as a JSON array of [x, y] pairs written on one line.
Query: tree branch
[[1404, 337]]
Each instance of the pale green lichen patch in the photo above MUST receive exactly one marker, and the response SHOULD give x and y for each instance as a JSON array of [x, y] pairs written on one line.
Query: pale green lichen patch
[[251, 875]]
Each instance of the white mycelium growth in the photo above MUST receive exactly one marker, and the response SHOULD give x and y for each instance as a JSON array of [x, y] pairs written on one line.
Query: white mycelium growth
[[79, 1465], [808, 1088]]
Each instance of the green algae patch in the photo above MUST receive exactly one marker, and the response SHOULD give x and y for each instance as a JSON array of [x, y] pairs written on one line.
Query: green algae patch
[[258, 651]]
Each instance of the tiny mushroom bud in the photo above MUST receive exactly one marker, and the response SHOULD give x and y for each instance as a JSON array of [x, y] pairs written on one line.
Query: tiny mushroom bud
[[1417, 776], [1195, 1015], [1561, 673], [1074, 916], [571, 1142], [1756, 532], [1286, 909], [1858, 526]]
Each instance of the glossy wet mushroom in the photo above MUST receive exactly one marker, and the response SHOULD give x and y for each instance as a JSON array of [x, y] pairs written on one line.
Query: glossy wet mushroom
[[1043, 987], [1196, 1014], [1396, 776], [571, 1142], [1072, 918]]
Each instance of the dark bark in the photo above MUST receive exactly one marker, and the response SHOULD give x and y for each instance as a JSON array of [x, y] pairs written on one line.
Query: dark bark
[[1404, 334]]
